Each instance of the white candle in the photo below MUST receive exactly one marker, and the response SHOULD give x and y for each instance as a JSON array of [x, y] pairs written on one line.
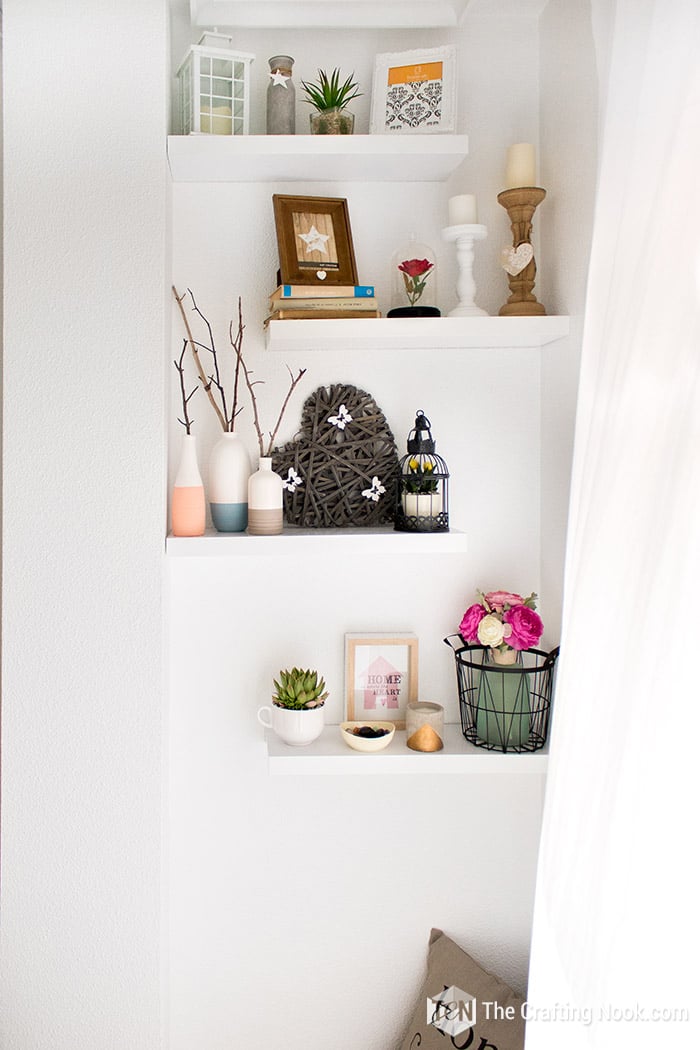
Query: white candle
[[461, 210], [424, 725], [520, 166]]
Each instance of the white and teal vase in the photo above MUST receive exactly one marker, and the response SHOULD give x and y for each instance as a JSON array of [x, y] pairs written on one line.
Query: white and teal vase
[[229, 470], [265, 500]]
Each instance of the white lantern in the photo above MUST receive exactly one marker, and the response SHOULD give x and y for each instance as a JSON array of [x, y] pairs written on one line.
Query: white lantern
[[214, 88]]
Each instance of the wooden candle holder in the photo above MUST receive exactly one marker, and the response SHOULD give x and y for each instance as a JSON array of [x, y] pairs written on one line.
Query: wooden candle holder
[[520, 204]]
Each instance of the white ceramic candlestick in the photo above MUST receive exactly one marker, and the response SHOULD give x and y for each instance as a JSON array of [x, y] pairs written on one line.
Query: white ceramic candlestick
[[464, 237]]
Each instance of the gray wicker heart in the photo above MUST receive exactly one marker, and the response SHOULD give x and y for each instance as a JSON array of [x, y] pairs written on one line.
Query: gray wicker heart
[[342, 467]]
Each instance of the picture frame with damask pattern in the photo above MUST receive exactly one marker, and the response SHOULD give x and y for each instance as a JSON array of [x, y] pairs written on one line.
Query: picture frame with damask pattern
[[414, 92]]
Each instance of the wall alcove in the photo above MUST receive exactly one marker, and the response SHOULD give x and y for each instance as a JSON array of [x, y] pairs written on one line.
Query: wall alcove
[[246, 817]]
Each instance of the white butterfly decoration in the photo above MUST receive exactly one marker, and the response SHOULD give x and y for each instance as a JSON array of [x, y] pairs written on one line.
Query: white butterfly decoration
[[292, 482], [341, 419], [375, 491]]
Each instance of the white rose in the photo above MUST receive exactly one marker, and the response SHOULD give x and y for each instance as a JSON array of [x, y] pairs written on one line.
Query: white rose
[[490, 631]]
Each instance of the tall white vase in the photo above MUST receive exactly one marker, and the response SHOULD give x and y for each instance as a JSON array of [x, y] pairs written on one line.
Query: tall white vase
[[188, 508], [265, 500], [229, 470]]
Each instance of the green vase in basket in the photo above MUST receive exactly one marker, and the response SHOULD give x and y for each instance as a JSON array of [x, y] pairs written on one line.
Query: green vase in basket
[[503, 702]]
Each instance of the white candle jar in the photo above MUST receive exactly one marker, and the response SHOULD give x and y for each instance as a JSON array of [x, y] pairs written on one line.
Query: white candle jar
[[424, 726]]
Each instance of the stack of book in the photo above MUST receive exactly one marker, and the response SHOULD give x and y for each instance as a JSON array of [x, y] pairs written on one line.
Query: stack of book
[[295, 301]]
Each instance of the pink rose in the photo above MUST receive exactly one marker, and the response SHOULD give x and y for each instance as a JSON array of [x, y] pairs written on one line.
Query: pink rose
[[470, 622], [497, 599], [527, 627]]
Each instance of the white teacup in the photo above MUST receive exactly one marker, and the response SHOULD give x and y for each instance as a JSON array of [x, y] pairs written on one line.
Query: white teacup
[[294, 727]]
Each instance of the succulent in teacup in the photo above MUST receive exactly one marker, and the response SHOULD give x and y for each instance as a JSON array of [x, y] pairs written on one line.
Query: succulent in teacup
[[297, 690]]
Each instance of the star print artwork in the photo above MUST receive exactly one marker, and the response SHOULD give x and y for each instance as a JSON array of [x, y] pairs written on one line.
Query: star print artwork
[[315, 241]]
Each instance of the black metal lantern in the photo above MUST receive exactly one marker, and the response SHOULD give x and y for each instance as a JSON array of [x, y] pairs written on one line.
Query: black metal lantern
[[422, 496]]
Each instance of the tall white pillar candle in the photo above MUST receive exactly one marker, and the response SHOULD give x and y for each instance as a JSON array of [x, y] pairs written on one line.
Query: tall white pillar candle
[[520, 166], [461, 210]]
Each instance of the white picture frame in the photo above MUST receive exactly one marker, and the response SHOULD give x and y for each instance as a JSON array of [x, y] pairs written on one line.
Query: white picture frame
[[413, 92], [381, 676]]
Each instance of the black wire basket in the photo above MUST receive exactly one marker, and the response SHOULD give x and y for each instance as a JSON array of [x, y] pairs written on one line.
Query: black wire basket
[[504, 708]]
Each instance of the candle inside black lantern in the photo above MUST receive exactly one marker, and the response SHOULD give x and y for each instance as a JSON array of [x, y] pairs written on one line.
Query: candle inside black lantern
[[422, 496]]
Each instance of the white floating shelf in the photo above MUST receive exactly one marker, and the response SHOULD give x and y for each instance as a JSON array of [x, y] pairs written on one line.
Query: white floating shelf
[[314, 542], [315, 158], [330, 755], [420, 333], [294, 14]]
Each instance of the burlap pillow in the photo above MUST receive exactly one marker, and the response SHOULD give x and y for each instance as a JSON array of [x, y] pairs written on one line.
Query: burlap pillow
[[452, 981]]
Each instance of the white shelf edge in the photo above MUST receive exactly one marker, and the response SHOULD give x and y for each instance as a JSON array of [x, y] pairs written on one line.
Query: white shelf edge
[[314, 542], [315, 158], [421, 333], [280, 14], [329, 755]]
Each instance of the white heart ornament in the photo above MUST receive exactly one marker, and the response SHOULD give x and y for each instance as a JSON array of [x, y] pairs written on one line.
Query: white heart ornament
[[514, 260], [321, 274]]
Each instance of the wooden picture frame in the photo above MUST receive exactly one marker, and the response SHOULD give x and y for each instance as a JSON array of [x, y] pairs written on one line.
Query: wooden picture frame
[[381, 677], [314, 240], [414, 92]]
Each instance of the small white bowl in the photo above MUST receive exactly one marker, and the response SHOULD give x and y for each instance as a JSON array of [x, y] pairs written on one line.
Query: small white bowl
[[367, 743]]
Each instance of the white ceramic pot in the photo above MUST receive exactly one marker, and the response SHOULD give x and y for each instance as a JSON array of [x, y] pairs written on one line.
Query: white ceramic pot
[[421, 504], [188, 510], [265, 500], [294, 727], [229, 470]]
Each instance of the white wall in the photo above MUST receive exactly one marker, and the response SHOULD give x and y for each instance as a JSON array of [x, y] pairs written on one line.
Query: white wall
[[84, 236], [322, 891], [568, 134], [85, 214]]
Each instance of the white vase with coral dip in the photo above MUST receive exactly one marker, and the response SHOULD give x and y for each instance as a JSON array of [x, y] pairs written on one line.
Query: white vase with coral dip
[[188, 509]]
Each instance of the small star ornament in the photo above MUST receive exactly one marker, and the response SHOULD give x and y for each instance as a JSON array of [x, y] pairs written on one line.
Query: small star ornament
[[315, 241], [279, 79]]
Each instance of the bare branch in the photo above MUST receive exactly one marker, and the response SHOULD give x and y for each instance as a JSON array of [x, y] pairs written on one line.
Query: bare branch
[[237, 345], [186, 422], [212, 350], [292, 386], [247, 373], [195, 354]]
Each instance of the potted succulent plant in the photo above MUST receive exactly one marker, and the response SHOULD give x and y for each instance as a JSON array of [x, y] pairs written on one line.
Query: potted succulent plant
[[297, 714], [329, 98]]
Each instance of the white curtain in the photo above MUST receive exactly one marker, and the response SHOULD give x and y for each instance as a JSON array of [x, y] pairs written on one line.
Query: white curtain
[[615, 941]]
